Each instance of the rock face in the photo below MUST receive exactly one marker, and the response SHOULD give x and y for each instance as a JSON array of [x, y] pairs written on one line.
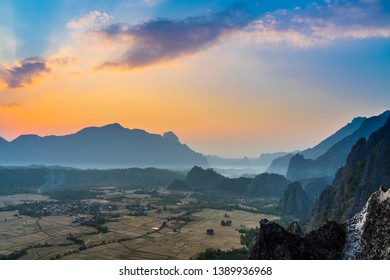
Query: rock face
[[368, 232], [295, 202], [273, 242], [367, 167], [366, 236]]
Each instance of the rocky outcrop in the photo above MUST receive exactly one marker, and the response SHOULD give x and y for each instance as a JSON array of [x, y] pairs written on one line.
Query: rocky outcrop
[[295, 202], [368, 232], [273, 242], [366, 168], [366, 236], [201, 178]]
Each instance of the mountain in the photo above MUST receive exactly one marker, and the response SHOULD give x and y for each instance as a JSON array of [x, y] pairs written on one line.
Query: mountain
[[366, 236], [268, 186], [178, 185], [345, 131], [233, 185], [220, 162], [280, 165], [327, 164], [313, 187], [266, 159], [108, 146], [265, 185], [198, 177], [295, 201], [367, 167]]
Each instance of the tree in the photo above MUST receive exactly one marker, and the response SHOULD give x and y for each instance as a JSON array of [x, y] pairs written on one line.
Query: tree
[[210, 231]]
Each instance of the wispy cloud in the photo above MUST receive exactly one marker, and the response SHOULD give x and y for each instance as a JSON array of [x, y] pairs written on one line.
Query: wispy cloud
[[92, 21], [165, 39], [23, 74], [152, 3], [321, 24]]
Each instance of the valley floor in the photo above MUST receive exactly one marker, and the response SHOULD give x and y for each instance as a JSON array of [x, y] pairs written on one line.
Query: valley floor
[[164, 232]]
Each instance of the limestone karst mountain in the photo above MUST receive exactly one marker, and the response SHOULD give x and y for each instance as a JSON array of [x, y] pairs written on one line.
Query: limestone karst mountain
[[110, 146]]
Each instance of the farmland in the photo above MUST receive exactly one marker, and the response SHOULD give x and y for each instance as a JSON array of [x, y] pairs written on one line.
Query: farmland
[[118, 224]]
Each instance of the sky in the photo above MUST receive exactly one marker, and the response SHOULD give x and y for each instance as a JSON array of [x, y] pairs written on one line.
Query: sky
[[230, 78]]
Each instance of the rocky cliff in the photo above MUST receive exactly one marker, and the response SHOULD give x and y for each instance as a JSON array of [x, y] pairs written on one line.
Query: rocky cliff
[[368, 232], [295, 201], [273, 242], [365, 236], [366, 168]]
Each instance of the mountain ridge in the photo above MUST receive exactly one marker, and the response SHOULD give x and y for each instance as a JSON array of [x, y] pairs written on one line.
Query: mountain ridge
[[327, 164], [111, 145], [367, 166], [280, 165]]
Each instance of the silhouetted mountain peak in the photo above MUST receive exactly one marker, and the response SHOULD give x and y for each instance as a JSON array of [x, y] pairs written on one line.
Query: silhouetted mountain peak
[[2, 140], [169, 135], [26, 137], [113, 126], [109, 145]]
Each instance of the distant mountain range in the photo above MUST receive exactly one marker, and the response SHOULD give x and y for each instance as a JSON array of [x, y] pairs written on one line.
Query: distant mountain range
[[221, 162], [327, 164], [367, 167], [334, 149], [110, 146], [265, 185]]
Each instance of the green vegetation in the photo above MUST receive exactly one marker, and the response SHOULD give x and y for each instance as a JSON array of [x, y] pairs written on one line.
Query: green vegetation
[[247, 238], [226, 223], [14, 180], [70, 194], [218, 254]]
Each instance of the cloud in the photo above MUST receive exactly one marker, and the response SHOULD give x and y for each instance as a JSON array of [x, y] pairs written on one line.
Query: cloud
[[152, 3], [62, 60], [322, 24], [92, 21], [161, 40], [19, 76]]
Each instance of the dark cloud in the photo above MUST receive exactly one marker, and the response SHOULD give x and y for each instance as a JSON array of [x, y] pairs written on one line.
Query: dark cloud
[[19, 76], [165, 39]]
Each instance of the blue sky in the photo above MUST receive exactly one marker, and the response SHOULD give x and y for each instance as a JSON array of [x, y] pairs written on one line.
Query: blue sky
[[255, 68]]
